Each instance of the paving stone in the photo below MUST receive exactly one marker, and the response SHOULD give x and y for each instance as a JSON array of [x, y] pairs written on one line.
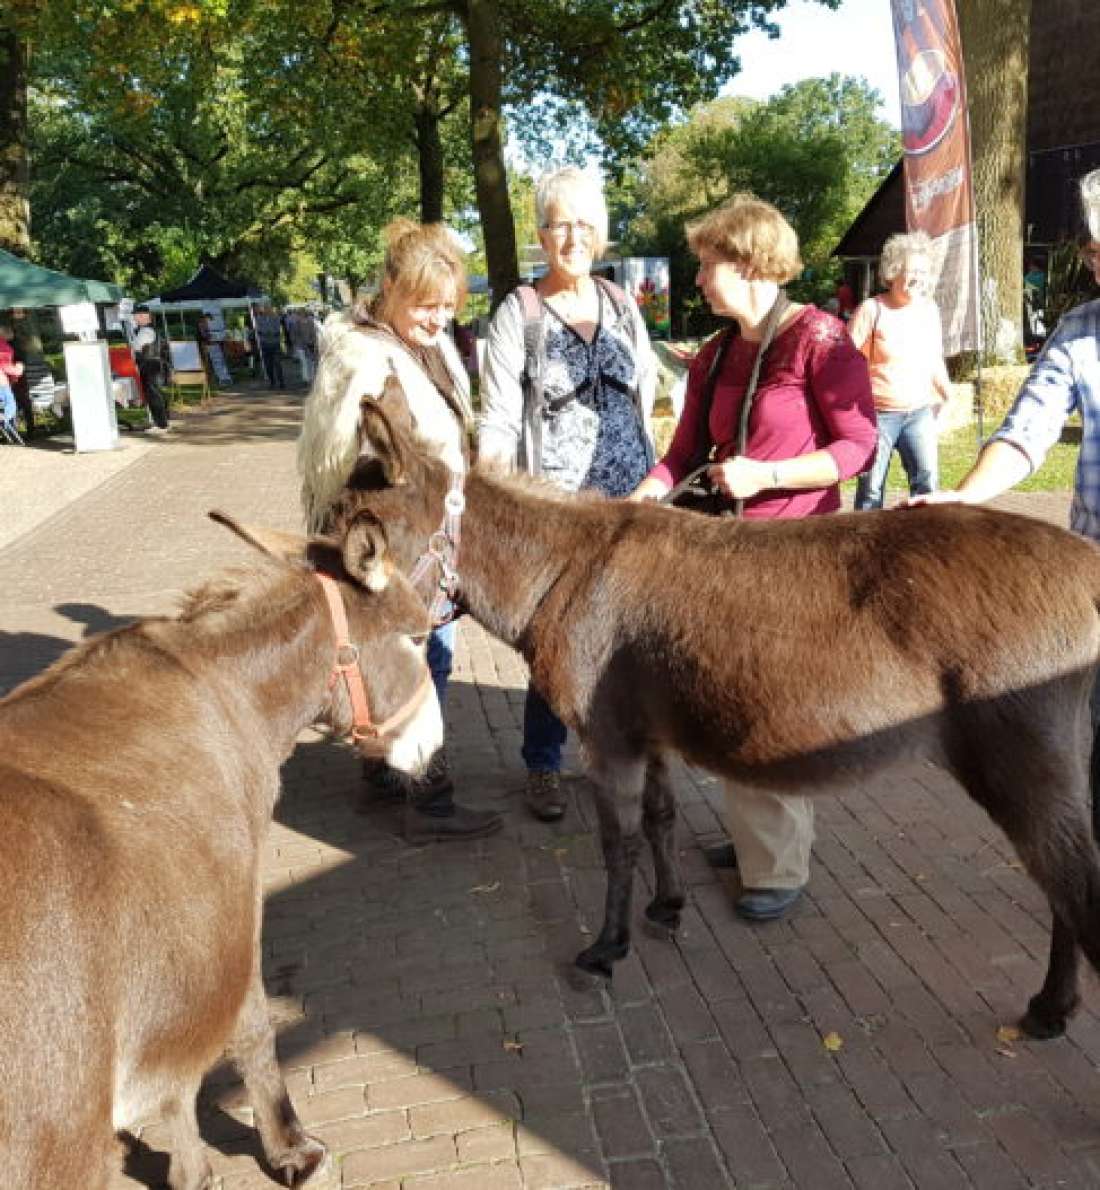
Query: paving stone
[[621, 1125]]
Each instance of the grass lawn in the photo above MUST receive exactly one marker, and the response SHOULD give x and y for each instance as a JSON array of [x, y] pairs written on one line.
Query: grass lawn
[[959, 449]]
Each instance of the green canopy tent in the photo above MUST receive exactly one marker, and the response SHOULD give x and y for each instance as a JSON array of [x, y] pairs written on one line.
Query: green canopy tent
[[30, 286]]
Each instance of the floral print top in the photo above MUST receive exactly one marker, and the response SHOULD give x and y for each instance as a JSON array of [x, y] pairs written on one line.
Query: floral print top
[[592, 434], [593, 421]]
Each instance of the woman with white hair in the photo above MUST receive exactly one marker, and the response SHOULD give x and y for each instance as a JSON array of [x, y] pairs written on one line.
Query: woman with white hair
[[899, 332], [403, 331], [567, 391]]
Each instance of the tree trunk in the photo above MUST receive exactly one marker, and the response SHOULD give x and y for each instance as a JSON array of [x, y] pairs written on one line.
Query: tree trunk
[[491, 180], [429, 154], [15, 214], [995, 38]]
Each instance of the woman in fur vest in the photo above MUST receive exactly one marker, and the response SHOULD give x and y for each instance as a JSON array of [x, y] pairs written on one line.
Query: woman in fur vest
[[403, 331]]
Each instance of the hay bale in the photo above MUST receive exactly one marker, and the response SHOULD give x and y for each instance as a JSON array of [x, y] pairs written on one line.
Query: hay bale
[[1000, 384]]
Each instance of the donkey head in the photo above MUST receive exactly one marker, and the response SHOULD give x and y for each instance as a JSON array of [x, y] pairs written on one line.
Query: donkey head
[[397, 480], [388, 626]]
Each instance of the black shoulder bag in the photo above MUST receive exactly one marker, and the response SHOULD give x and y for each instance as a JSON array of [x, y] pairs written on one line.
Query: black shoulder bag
[[695, 492]]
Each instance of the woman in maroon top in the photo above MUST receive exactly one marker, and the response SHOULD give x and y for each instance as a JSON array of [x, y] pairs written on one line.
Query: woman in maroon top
[[811, 425]]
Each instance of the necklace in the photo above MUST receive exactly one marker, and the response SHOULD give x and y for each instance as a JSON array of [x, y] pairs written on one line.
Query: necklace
[[569, 304]]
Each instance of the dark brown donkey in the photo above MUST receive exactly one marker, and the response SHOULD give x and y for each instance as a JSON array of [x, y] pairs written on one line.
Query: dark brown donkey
[[787, 654], [137, 781]]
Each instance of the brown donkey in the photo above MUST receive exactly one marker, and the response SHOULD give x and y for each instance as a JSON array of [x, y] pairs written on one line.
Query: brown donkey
[[137, 781], [783, 653]]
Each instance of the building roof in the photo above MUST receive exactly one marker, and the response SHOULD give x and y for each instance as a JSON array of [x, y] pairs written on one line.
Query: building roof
[[882, 216], [208, 285], [30, 286]]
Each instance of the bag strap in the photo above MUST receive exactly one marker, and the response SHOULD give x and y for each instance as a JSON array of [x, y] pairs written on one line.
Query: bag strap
[[701, 460], [874, 328], [771, 324], [533, 333]]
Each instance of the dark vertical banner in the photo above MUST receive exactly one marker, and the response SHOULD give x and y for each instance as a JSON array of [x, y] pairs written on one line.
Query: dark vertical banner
[[935, 134]]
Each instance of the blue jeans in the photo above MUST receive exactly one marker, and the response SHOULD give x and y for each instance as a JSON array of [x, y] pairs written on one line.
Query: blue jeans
[[441, 652], [913, 435], [543, 735]]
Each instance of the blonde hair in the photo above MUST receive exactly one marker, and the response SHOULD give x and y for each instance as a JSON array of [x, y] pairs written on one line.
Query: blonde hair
[[899, 250], [422, 262], [1090, 201], [752, 234], [580, 190]]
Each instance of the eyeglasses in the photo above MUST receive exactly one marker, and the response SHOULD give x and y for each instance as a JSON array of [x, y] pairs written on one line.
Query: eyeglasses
[[561, 229]]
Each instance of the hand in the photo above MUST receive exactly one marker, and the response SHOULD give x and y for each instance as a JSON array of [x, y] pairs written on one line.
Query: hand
[[649, 489], [18, 369], [740, 477], [944, 497]]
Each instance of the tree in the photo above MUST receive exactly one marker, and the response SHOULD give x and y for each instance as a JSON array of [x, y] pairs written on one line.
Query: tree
[[14, 205], [169, 136], [995, 41], [817, 150]]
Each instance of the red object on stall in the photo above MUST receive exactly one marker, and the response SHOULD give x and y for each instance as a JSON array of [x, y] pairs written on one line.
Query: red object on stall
[[123, 364]]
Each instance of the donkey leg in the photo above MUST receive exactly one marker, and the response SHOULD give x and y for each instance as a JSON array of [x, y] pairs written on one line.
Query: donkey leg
[[618, 804], [188, 1167], [1056, 1001], [659, 824], [1036, 790], [289, 1151]]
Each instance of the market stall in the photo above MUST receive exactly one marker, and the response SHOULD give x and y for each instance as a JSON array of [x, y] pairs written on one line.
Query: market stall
[[209, 293]]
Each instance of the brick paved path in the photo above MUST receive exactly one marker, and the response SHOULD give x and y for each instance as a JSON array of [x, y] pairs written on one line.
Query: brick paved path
[[425, 1025]]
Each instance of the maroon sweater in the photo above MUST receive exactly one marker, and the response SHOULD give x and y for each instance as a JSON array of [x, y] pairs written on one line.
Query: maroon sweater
[[813, 394]]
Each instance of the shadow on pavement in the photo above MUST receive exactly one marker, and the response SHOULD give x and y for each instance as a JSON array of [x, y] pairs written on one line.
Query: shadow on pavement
[[25, 654]]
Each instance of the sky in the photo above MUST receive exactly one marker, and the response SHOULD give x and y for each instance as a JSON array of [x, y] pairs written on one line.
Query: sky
[[856, 39]]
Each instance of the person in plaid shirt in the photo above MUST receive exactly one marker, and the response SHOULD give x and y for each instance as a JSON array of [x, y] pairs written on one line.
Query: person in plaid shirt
[[1065, 379]]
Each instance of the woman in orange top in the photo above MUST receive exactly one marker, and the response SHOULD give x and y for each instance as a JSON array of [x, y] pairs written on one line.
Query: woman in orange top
[[899, 333]]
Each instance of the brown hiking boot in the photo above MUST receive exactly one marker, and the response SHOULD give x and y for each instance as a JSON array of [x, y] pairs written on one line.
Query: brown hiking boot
[[544, 796]]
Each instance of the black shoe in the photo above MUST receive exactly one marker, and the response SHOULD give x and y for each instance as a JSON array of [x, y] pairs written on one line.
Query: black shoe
[[381, 783], [428, 825], [721, 856], [765, 904]]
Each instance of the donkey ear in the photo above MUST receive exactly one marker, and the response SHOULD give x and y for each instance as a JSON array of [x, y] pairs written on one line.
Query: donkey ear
[[395, 405], [365, 552], [288, 547], [379, 439]]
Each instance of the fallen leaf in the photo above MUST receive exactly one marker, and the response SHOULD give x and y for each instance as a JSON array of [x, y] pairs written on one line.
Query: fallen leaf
[[1007, 1034], [486, 888], [512, 1046], [832, 1042], [1007, 1053]]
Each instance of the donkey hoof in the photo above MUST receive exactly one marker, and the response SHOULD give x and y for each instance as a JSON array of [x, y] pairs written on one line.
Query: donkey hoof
[[661, 921], [581, 980], [1042, 1026], [592, 968], [309, 1162]]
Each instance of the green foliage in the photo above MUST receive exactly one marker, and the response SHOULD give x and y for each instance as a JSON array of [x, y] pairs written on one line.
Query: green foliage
[[1068, 283], [816, 150], [238, 131]]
